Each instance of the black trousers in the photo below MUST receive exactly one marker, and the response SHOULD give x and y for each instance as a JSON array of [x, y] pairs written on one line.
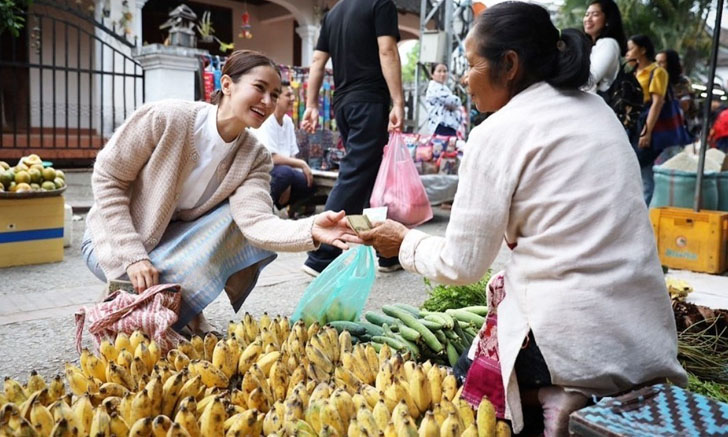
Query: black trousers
[[363, 129]]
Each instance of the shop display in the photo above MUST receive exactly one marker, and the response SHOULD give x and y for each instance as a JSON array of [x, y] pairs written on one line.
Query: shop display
[[267, 377], [30, 175]]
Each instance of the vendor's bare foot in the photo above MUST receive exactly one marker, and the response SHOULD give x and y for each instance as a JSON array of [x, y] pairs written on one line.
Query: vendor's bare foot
[[557, 404]]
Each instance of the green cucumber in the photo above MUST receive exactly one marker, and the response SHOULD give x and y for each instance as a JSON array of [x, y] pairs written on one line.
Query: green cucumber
[[442, 321], [467, 316], [408, 333], [480, 310], [427, 336], [391, 341], [371, 328], [379, 319], [409, 345], [430, 324], [450, 334], [409, 308], [452, 354], [440, 336], [461, 334], [353, 327]]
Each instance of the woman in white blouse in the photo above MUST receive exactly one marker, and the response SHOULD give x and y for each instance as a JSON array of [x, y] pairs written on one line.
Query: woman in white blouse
[[585, 311], [603, 24], [443, 106]]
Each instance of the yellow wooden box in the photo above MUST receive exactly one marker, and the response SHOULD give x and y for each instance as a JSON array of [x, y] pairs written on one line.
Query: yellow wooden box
[[691, 240], [31, 231]]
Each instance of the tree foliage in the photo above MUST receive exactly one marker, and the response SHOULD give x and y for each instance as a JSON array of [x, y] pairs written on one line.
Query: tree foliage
[[671, 24], [12, 16], [408, 67]]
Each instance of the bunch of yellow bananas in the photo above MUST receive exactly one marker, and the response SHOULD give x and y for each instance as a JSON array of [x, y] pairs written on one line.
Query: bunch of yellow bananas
[[678, 288], [267, 377]]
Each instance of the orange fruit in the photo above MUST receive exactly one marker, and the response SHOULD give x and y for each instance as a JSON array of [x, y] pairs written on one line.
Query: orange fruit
[[60, 174], [49, 174], [60, 183], [22, 187], [35, 175], [6, 177], [22, 177], [48, 186]]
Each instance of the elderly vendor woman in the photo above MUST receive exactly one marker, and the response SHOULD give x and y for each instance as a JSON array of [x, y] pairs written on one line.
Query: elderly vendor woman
[[583, 309]]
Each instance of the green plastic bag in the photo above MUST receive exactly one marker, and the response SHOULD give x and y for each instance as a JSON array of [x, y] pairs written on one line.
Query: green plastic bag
[[341, 290]]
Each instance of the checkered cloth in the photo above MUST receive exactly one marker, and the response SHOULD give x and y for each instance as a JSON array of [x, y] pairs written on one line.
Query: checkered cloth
[[152, 312]]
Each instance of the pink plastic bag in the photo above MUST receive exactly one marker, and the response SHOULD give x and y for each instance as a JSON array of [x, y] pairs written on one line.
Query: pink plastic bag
[[398, 186]]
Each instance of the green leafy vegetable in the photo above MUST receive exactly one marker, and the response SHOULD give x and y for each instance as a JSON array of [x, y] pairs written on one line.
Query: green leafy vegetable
[[443, 297], [714, 390]]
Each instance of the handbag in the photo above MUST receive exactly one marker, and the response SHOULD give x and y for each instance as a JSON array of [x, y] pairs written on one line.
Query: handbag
[[153, 312], [669, 130]]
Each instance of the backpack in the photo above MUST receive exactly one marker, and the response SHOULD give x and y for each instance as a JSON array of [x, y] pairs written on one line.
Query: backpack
[[625, 97]]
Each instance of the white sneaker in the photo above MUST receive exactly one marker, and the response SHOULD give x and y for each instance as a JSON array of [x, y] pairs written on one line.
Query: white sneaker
[[309, 271]]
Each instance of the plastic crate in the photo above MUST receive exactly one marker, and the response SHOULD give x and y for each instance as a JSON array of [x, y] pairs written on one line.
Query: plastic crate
[[691, 240], [659, 410], [31, 231]]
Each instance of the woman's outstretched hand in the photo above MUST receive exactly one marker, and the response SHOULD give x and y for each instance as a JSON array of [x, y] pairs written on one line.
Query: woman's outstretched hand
[[332, 228], [386, 237]]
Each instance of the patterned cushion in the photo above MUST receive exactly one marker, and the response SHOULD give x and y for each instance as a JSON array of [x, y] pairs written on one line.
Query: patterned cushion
[[659, 410]]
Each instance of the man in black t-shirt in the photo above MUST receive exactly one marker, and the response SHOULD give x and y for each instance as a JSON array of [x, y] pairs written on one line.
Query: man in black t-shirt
[[361, 38]]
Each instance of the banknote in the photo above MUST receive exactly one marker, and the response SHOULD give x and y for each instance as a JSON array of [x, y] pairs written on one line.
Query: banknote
[[359, 223]]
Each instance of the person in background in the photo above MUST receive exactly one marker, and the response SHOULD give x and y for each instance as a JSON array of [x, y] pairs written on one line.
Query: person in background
[[360, 37], [654, 81], [444, 114], [603, 25], [182, 195], [291, 178], [584, 310], [682, 88]]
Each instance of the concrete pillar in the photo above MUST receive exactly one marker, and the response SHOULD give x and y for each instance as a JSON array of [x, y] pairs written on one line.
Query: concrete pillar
[[137, 27], [169, 72], [309, 35]]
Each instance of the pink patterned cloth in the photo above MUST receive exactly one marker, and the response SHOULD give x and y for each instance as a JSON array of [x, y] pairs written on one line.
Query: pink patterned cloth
[[484, 376], [152, 312]]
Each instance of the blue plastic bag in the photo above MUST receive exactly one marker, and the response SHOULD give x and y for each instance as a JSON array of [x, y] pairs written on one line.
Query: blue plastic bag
[[341, 290]]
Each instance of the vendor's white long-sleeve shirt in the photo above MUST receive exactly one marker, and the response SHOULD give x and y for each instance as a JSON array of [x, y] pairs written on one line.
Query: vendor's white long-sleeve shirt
[[554, 172]]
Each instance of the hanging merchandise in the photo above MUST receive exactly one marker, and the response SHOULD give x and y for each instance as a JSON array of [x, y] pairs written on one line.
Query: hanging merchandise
[[326, 105], [245, 27], [208, 79], [217, 73], [294, 115]]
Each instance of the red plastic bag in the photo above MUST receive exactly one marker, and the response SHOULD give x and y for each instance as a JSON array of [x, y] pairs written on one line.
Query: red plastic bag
[[398, 186]]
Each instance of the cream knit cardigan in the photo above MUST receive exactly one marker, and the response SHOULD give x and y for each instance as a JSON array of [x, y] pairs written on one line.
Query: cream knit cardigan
[[138, 177], [554, 172]]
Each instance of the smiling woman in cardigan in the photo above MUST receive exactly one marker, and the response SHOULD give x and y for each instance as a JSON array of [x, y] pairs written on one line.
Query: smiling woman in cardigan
[[182, 195]]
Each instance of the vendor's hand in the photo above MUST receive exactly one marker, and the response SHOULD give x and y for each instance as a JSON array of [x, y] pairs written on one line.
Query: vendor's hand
[[332, 228], [307, 173], [645, 140], [310, 119], [142, 275], [386, 237], [396, 118]]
